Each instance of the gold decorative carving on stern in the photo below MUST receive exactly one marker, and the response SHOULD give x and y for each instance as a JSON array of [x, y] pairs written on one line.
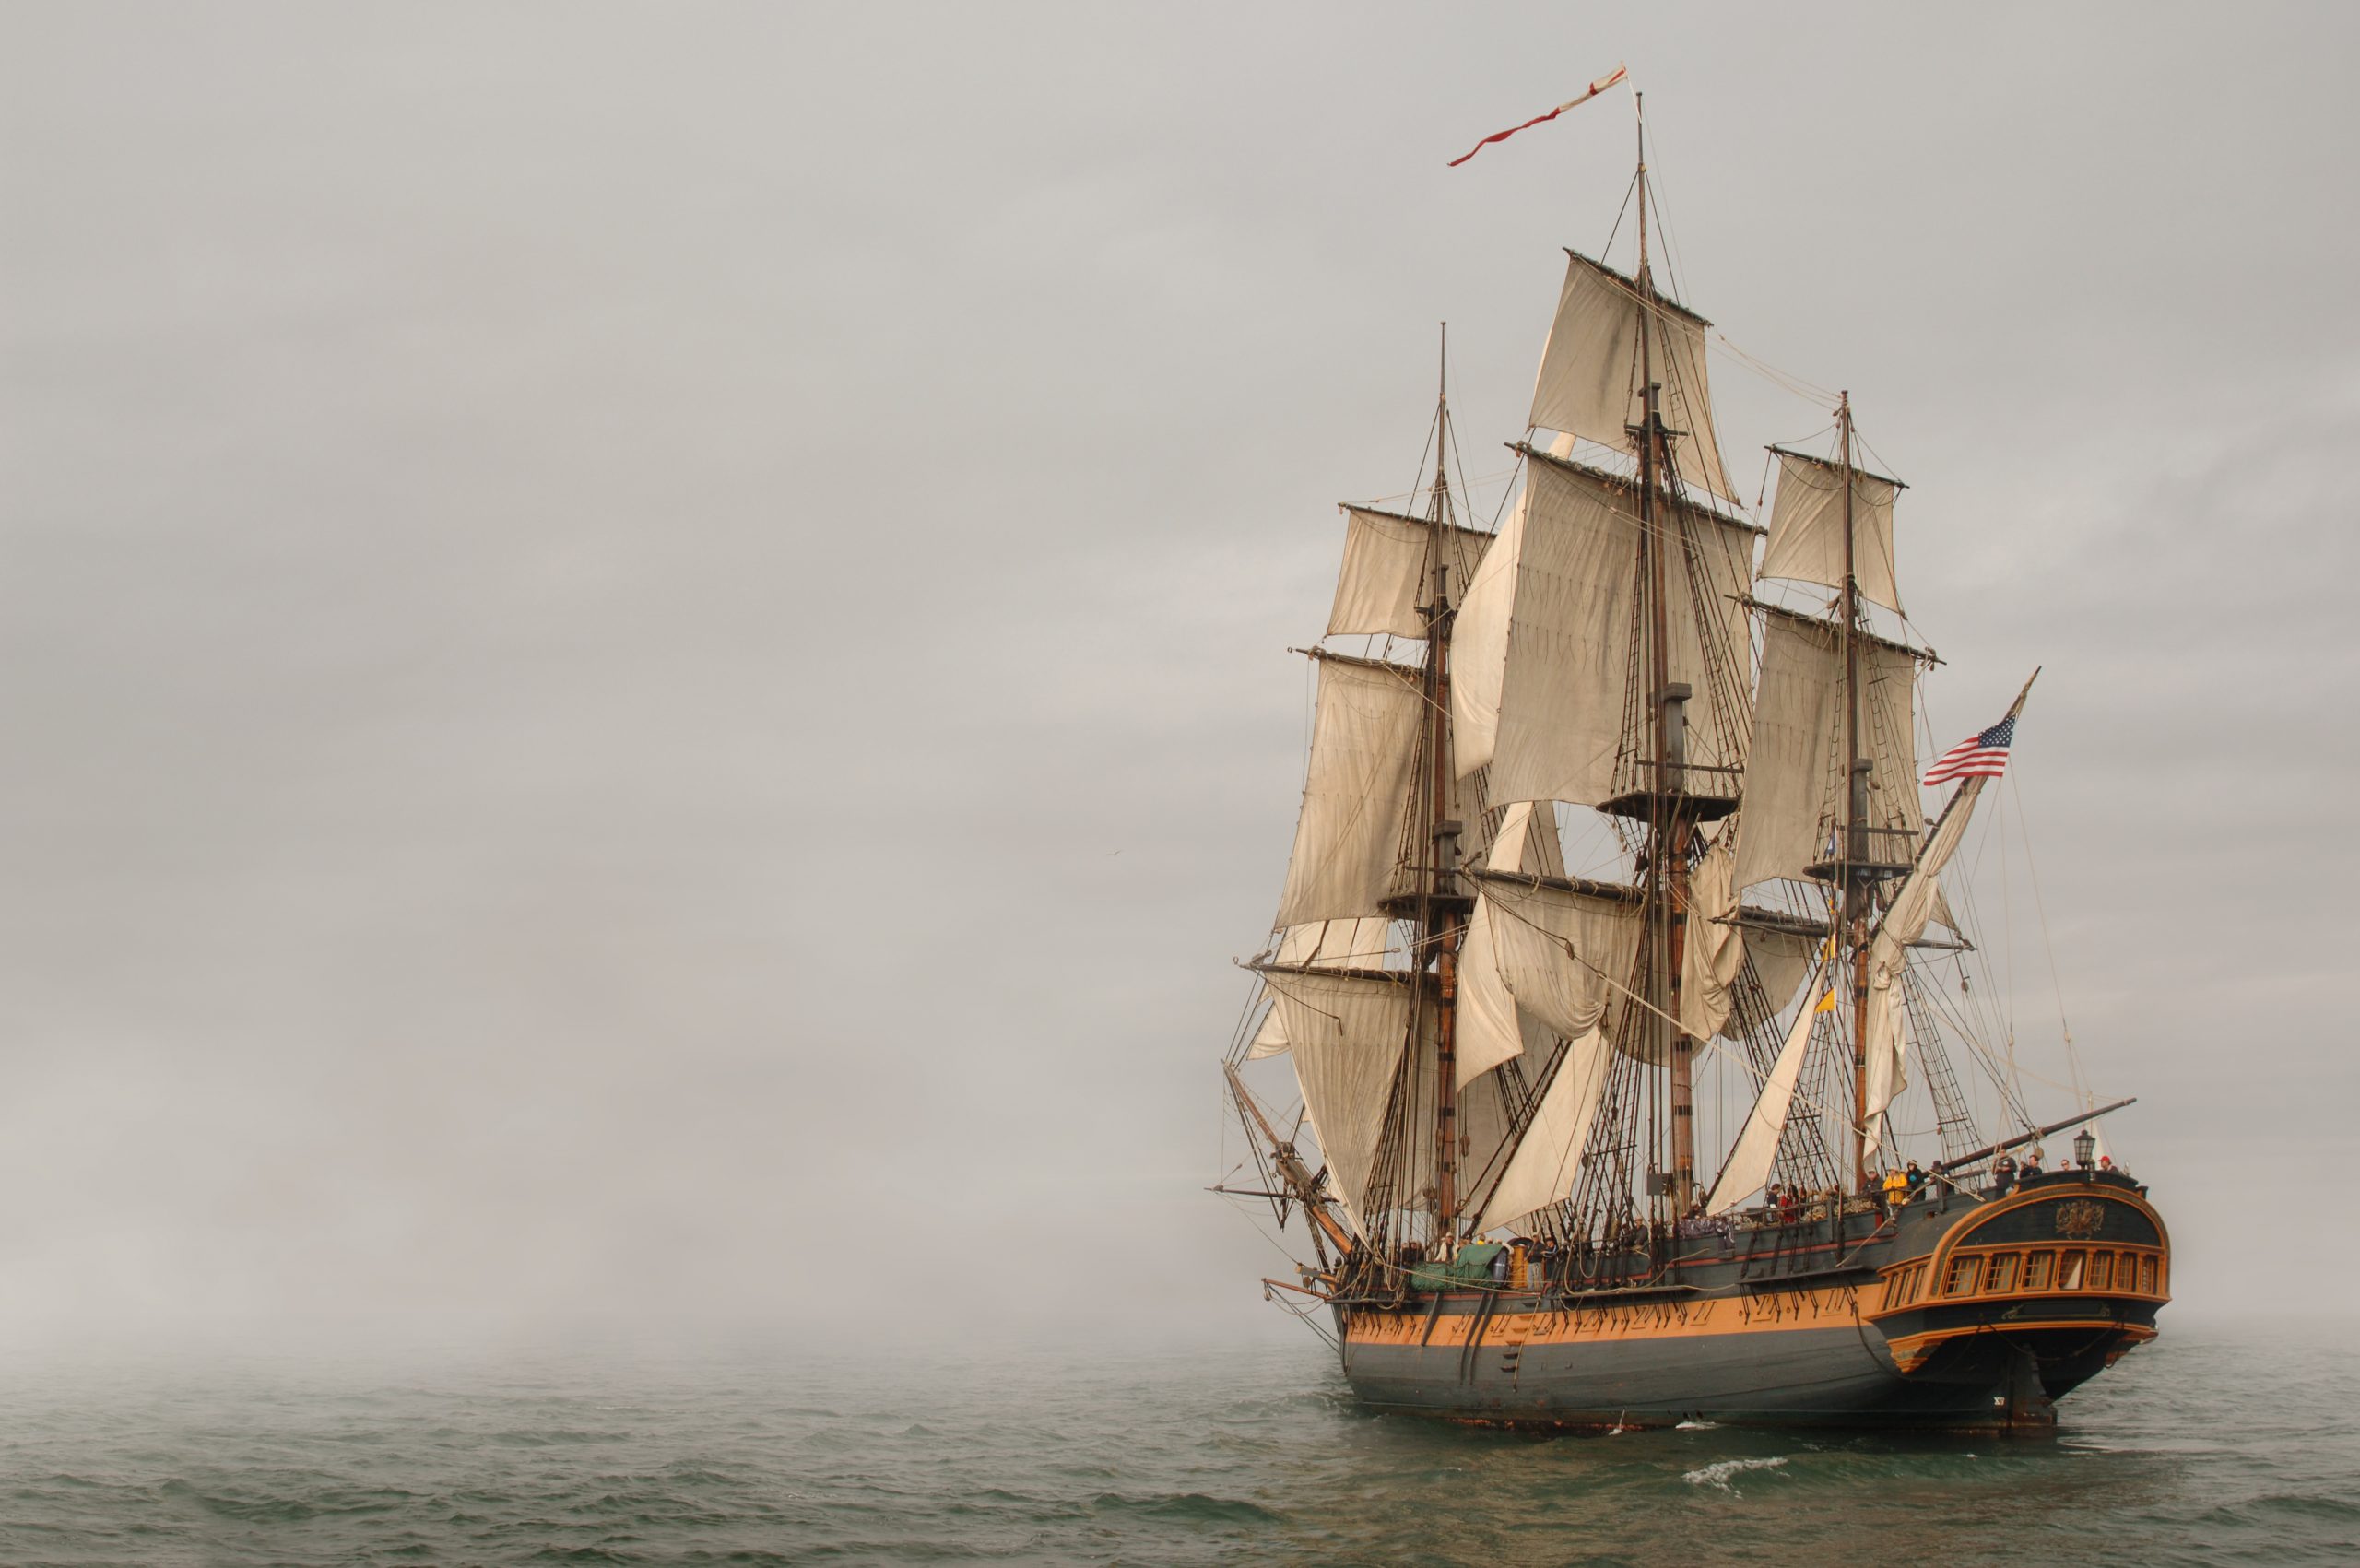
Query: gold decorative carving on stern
[[2080, 1218]]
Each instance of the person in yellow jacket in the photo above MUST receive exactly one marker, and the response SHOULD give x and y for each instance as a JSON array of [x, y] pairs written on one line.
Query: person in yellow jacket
[[1896, 1188]]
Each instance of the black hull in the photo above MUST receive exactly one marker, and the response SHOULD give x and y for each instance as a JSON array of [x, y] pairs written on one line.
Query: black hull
[[1844, 1330]]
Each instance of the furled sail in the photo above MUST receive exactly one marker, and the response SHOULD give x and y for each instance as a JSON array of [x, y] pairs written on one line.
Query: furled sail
[[1545, 650], [1346, 1034], [1383, 579], [1547, 1159], [1794, 774], [1356, 793], [1807, 528], [1904, 921], [1589, 383], [1747, 1169]]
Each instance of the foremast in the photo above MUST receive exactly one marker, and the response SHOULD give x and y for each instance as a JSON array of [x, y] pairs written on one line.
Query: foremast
[[1853, 861]]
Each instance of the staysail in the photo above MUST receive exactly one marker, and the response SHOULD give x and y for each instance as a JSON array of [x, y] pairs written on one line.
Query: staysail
[[1904, 921], [1547, 1160], [1748, 1167]]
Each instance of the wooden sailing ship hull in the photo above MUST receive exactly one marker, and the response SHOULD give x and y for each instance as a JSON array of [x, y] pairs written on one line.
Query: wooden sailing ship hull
[[1963, 1315]]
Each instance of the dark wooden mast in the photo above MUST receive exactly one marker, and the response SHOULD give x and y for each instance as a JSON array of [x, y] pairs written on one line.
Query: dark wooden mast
[[1439, 922], [1670, 820], [1853, 858]]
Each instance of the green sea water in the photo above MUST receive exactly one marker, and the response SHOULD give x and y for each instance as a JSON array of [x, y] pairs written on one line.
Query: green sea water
[[2214, 1446]]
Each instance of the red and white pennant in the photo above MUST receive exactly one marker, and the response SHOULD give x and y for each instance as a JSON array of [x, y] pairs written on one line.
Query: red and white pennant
[[1594, 89]]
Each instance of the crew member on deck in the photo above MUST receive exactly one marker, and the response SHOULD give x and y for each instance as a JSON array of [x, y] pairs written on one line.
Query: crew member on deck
[[1896, 1189], [2031, 1163], [2003, 1173], [1915, 1179]]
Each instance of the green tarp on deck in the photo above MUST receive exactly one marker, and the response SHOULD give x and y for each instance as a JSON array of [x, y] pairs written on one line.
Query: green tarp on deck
[[1471, 1266]]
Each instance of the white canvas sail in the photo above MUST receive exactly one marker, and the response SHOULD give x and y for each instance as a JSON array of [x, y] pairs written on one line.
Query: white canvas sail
[[1547, 1161], [1565, 956], [1336, 944], [1325, 944], [1747, 1170], [1384, 577], [1904, 921], [1795, 771], [1807, 528], [1544, 659], [1591, 386], [1489, 1028], [1356, 792], [1346, 1034], [1717, 947]]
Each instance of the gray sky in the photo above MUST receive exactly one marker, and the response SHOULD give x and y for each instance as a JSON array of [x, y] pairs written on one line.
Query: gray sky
[[587, 596]]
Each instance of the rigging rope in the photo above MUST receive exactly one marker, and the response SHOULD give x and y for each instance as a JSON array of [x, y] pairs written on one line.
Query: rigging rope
[[2057, 981]]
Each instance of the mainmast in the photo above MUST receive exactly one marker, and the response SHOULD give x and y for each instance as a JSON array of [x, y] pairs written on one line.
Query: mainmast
[[1439, 927], [1668, 824]]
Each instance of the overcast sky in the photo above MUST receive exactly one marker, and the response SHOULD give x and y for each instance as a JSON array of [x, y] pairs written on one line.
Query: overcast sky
[[642, 651]]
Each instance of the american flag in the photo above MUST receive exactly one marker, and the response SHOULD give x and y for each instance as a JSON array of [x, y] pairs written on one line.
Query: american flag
[[1985, 756]]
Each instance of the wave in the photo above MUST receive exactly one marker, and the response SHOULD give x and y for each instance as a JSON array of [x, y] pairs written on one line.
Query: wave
[[1718, 1475]]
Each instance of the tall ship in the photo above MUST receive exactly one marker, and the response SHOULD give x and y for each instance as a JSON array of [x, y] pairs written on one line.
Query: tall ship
[[1625, 998]]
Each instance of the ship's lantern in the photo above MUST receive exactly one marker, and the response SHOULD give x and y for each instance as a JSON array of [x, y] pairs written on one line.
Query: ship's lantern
[[2086, 1148]]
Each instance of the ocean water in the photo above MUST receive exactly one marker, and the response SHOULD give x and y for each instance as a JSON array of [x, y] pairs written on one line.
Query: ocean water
[[2214, 1445]]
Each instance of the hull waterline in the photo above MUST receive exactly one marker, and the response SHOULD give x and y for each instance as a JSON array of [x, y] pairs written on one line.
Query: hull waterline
[[1859, 1342]]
